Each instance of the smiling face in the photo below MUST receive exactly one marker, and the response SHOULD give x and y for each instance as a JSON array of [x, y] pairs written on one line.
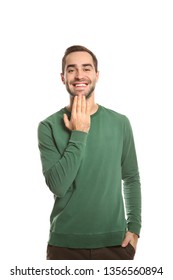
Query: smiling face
[[79, 76]]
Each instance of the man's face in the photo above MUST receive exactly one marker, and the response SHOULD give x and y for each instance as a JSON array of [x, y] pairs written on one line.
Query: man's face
[[79, 75]]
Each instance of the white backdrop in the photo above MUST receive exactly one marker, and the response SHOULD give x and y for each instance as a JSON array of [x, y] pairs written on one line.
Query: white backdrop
[[133, 41]]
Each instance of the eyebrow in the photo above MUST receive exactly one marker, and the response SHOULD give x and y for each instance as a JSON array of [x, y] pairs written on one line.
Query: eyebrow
[[84, 65]]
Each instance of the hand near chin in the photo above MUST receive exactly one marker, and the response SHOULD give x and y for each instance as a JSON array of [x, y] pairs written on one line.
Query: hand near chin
[[80, 115]]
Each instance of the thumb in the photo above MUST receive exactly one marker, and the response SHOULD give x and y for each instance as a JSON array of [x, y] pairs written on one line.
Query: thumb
[[66, 120], [125, 241]]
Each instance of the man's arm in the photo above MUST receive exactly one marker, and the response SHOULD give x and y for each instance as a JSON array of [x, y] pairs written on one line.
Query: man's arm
[[132, 190], [60, 171]]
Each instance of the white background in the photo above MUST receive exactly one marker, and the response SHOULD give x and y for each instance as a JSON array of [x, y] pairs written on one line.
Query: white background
[[133, 41]]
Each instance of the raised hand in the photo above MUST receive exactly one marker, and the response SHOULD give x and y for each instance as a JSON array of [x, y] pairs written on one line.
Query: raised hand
[[80, 115]]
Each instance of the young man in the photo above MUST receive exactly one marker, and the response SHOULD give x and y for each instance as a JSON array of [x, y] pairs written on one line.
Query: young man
[[86, 151]]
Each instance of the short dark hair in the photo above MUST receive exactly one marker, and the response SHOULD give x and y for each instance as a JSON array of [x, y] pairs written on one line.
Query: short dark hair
[[78, 48]]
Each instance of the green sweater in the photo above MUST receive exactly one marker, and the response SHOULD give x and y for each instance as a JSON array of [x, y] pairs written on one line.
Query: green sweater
[[84, 171]]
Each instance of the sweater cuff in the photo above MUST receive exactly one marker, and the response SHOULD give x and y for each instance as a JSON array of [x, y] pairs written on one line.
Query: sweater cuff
[[134, 227], [78, 136]]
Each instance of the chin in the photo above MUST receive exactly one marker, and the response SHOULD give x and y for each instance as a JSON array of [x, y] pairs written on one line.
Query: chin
[[80, 94], [86, 94]]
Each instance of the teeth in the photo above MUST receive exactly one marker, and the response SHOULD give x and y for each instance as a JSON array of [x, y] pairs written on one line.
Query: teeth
[[80, 85]]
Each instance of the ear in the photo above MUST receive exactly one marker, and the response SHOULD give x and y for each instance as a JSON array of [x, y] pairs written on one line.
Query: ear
[[97, 75], [62, 78]]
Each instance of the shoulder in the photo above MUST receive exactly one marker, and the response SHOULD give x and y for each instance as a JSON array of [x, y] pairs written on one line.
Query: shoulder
[[114, 115], [118, 120], [51, 123], [53, 118]]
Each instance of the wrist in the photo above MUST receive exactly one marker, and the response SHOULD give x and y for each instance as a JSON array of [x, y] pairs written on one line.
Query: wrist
[[86, 130]]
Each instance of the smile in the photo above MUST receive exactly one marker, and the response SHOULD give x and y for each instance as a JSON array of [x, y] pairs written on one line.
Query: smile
[[80, 85]]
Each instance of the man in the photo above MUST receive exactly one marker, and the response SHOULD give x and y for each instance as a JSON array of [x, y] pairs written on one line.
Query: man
[[86, 151]]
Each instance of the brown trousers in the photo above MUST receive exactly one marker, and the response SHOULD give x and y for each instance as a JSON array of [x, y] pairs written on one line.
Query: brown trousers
[[106, 253]]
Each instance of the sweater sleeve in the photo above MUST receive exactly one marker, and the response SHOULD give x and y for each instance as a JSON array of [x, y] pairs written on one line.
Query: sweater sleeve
[[131, 181], [60, 170]]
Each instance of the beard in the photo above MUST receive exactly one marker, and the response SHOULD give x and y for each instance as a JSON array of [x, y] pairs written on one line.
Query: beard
[[87, 94]]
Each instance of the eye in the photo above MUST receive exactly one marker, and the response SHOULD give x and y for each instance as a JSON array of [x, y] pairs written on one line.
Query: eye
[[70, 70], [87, 69]]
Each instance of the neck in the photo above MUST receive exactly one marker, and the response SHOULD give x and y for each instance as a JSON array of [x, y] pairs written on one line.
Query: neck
[[93, 106]]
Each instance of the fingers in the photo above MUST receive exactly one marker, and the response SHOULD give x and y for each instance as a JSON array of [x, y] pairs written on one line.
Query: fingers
[[80, 116], [66, 121], [88, 107], [80, 105], [130, 238], [127, 239], [73, 111], [125, 242], [83, 104]]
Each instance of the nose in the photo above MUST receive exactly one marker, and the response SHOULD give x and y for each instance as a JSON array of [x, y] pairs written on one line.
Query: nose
[[79, 74]]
